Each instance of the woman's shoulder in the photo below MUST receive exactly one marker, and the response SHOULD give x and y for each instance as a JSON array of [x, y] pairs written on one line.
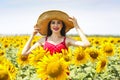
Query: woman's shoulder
[[42, 39], [69, 38]]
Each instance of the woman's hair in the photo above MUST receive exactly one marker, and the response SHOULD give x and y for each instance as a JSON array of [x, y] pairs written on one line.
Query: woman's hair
[[62, 32]]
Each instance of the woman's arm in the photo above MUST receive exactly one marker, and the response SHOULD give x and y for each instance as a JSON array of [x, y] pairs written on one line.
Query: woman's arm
[[27, 48], [84, 41]]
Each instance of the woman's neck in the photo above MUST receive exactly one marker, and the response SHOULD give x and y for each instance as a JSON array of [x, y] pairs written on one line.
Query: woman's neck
[[55, 35]]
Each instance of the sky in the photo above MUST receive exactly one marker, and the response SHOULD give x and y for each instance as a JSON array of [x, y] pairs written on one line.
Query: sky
[[99, 17]]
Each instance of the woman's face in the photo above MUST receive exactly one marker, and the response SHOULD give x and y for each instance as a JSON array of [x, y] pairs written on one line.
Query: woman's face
[[56, 25]]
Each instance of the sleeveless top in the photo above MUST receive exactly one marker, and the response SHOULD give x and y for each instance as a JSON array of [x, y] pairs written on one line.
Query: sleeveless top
[[55, 48]]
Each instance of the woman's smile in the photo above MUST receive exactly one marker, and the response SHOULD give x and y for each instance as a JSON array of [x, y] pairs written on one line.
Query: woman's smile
[[56, 28]]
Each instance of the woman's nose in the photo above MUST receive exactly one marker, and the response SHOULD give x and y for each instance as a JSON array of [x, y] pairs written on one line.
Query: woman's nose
[[56, 24]]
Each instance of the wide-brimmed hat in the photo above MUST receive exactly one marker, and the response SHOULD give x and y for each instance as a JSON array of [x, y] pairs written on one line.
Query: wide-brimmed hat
[[47, 16]]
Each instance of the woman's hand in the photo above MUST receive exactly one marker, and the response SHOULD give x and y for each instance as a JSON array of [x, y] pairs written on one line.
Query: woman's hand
[[74, 20], [36, 30], [84, 41]]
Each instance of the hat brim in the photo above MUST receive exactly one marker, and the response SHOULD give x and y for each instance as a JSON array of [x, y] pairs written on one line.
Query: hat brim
[[47, 16]]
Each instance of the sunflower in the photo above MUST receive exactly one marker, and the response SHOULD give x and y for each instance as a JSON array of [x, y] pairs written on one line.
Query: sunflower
[[118, 40], [7, 71], [12, 70], [80, 57], [2, 59], [101, 65], [105, 40], [2, 52], [112, 40], [36, 55], [93, 54], [52, 67], [97, 42], [4, 75], [108, 49], [22, 60], [67, 55], [6, 44]]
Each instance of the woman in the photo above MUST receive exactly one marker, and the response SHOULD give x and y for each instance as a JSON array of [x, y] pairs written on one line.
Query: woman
[[54, 24]]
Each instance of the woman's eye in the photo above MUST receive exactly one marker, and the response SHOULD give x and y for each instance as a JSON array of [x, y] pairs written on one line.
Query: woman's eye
[[52, 22], [58, 22], [55, 22]]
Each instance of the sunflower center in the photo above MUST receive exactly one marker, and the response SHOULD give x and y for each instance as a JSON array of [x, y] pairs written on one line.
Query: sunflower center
[[110, 50], [96, 42], [6, 45], [4, 75], [54, 69], [103, 64], [67, 58], [1, 53], [118, 41], [80, 57], [94, 55], [23, 58]]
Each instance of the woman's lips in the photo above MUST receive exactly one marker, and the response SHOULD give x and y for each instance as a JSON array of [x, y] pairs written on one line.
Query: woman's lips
[[56, 29]]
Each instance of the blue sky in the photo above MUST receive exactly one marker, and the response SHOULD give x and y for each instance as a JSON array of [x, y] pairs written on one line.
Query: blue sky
[[94, 16]]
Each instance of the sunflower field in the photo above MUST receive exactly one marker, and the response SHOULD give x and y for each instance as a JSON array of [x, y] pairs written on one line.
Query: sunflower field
[[100, 61]]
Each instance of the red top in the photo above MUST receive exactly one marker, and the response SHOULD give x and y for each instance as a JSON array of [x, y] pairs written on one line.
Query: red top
[[54, 48]]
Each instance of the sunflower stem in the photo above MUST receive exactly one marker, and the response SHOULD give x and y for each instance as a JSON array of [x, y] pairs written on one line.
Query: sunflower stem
[[94, 77]]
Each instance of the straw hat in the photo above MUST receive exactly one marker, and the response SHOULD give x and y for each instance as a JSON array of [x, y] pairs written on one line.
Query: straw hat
[[47, 16]]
